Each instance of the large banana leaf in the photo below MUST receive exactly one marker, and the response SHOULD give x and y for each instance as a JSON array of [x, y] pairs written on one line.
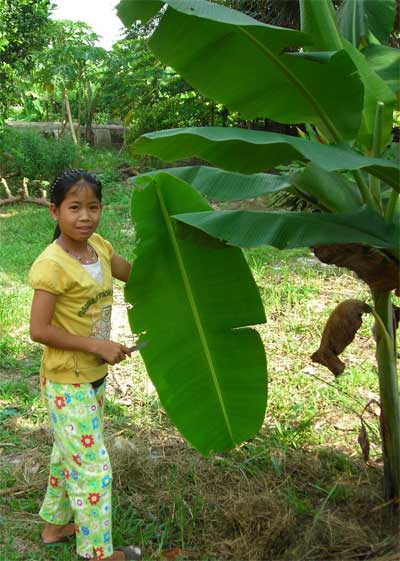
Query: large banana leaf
[[356, 18], [247, 151], [193, 296], [385, 61], [217, 184], [242, 63], [286, 230]]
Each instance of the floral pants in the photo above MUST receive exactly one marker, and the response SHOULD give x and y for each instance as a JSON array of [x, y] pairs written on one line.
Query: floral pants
[[80, 472]]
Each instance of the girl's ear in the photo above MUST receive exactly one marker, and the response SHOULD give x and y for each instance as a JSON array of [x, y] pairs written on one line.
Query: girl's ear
[[53, 211]]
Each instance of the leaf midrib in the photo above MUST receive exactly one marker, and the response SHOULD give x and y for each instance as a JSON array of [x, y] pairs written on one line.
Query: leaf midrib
[[293, 79], [193, 307]]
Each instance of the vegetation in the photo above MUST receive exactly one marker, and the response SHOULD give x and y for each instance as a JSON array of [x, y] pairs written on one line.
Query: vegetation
[[329, 85], [308, 485], [299, 490], [23, 31]]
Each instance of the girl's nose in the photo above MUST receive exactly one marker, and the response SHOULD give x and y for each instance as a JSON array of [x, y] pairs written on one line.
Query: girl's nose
[[84, 214]]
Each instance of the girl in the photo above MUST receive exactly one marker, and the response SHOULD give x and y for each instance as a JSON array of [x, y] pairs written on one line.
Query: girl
[[71, 314]]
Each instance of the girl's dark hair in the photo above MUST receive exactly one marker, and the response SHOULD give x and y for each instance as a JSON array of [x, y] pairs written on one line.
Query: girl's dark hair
[[65, 182]]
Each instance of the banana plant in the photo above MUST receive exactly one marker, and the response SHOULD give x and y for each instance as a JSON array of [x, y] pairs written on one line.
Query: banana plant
[[340, 82]]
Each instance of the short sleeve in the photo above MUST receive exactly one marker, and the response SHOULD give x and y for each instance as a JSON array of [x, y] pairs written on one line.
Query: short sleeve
[[108, 247], [46, 274], [103, 245]]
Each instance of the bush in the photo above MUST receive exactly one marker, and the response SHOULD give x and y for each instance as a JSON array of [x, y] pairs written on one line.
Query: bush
[[28, 153]]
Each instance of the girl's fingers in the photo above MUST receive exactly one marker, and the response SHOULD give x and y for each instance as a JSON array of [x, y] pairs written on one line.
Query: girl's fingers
[[126, 350]]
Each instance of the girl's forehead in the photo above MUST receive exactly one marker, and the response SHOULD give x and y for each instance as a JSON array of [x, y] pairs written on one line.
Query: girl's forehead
[[81, 191]]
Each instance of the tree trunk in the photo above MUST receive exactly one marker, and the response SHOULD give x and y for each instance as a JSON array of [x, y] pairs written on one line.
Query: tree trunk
[[389, 395], [90, 111], [68, 109], [78, 130]]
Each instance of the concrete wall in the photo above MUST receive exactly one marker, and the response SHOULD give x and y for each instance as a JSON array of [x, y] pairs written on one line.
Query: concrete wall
[[105, 136]]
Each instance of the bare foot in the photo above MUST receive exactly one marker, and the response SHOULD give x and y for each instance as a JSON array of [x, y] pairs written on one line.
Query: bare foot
[[53, 533]]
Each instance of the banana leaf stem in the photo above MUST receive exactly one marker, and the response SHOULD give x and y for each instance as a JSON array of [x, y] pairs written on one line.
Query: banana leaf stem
[[364, 189], [375, 184], [389, 395], [392, 204]]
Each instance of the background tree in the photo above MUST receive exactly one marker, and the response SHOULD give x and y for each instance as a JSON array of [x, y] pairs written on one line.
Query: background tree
[[24, 26], [150, 94], [72, 65]]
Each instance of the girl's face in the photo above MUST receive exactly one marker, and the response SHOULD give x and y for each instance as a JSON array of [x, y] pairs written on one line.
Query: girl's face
[[79, 213]]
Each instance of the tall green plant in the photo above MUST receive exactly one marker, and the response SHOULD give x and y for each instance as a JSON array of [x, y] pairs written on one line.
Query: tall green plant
[[313, 76]]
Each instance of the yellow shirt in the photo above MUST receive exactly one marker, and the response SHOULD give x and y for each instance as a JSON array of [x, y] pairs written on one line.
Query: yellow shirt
[[83, 307]]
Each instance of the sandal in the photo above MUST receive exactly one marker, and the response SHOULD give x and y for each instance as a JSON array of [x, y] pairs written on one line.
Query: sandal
[[131, 552], [63, 539]]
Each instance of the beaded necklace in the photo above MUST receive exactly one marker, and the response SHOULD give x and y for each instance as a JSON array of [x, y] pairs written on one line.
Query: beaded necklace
[[91, 257]]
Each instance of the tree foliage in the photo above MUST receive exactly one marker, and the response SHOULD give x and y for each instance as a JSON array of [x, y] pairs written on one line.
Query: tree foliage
[[23, 31]]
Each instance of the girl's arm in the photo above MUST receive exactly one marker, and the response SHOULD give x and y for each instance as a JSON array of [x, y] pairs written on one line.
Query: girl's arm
[[120, 267], [42, 331]]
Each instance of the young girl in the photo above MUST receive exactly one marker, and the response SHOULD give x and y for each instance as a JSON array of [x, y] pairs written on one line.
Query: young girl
[[71, 314]]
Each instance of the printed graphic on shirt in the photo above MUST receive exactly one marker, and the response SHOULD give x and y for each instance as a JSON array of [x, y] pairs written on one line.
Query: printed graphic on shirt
[[102, 327], [94, 300]]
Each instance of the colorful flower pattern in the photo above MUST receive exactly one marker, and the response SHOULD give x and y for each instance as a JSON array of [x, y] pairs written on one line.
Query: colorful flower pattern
[[80, 474]]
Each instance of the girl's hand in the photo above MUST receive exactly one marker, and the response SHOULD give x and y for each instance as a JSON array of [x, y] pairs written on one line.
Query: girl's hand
[[111, 352]]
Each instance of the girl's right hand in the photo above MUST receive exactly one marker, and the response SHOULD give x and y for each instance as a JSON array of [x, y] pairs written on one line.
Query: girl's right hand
[[111, 352]]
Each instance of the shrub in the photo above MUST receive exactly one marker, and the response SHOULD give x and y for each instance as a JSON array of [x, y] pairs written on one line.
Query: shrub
[[27, 153]]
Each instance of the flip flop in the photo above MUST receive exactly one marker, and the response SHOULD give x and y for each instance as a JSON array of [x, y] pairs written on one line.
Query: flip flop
[[132, 552]]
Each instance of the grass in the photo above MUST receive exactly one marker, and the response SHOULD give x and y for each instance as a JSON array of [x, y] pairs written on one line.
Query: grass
[[297, 491]]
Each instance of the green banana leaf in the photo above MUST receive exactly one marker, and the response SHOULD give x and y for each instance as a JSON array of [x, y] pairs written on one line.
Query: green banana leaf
[[247, 151], [330, 190], [217, 184], [385, 61], [286, 230], [375, 90], [193, 298], [318, 20], [356, 18], [242, 63]]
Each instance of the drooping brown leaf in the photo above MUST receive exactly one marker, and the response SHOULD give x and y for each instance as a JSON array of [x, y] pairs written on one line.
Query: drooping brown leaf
[[339, 332], [371, 265], [363, 441]]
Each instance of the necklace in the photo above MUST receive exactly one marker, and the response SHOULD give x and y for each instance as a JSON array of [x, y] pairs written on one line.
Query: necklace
[[88, 260]]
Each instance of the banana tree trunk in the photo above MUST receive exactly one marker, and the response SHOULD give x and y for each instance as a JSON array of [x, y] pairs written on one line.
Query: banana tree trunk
[[389, 395]]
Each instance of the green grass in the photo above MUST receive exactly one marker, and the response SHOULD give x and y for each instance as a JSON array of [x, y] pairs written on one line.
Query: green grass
[[299, 490]]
